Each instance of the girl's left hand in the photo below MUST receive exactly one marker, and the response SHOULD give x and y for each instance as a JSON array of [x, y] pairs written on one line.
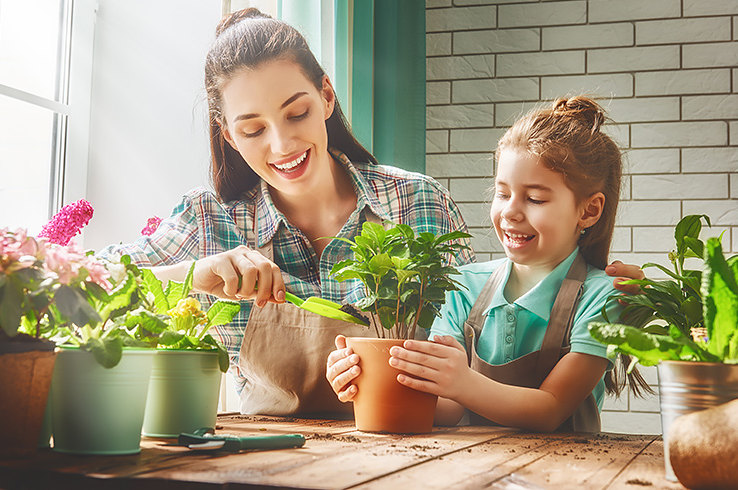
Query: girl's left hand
[[438, 367]]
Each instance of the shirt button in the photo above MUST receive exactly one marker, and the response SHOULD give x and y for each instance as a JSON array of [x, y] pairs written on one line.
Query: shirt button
[[509, 339], [510, 318], [508, 359]]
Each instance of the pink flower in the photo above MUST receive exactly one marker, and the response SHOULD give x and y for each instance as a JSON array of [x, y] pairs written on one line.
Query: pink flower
[[18, 250], [151, 225], [70, 264], [68, 222]]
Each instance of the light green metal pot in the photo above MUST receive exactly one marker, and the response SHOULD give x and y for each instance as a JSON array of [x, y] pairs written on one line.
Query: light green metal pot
[[97, 410], [687, 387], [183, 394]]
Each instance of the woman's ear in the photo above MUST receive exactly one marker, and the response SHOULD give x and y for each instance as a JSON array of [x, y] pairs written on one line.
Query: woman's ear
[[329, 97], [227, 135], [591, 210]]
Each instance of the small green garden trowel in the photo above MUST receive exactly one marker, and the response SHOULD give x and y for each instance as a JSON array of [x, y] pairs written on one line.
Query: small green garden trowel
[[326, 308]]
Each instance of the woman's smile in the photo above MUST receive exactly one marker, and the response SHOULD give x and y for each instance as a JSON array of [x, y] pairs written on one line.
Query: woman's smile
[[292, 167]]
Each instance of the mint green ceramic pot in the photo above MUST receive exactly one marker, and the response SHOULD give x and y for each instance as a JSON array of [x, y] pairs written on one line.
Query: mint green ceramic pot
[[183, 394], [97, 410]]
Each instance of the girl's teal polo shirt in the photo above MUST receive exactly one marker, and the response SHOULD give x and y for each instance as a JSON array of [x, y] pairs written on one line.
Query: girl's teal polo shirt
[[512, 330]]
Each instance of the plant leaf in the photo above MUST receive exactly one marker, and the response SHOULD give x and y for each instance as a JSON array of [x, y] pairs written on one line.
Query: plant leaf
[[222, 312], [153, 285]]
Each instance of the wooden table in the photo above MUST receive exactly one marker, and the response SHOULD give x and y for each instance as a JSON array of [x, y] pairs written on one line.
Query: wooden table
[[337, 456]]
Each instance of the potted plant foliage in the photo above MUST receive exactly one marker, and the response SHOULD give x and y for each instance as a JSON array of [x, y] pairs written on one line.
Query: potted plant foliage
[[405, 282], [100, 382], [26, 358], [185, 381], [687, 325]]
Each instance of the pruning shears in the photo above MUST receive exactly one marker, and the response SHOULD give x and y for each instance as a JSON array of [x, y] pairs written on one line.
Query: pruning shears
[[205, 439]]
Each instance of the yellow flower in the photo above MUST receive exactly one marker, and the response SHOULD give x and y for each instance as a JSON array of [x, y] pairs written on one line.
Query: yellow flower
[[189, 308]]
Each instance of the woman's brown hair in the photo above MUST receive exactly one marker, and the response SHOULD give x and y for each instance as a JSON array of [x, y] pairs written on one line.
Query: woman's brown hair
[[246, 39], [567, 138]]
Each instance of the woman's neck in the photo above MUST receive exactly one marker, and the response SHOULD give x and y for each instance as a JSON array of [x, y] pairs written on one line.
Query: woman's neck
[[322, 211]]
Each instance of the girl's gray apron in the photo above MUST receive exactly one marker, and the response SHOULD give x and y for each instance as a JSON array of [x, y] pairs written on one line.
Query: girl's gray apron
[[283, 357], [530, 370]]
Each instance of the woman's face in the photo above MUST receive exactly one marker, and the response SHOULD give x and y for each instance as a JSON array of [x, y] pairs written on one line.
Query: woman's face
[[275, 118]]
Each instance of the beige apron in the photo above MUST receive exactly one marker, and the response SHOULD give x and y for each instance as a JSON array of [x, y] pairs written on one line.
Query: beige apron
[[283, 358], [531, 369]]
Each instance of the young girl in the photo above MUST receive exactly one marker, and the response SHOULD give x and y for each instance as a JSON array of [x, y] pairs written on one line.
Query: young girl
[[513, 347]]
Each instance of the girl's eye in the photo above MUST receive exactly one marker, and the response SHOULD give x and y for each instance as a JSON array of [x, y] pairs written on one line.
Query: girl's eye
[[253, 134], [535, 201], [501, 195], [299, 117]]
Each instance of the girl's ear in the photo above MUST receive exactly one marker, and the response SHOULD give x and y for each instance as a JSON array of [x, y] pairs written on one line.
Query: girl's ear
[[591, 210], [329, 97]]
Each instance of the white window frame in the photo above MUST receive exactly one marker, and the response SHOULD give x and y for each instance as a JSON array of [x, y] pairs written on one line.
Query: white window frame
[[68, 175]]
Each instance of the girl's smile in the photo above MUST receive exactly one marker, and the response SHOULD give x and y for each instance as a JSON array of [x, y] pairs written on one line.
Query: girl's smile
[[292, 168]]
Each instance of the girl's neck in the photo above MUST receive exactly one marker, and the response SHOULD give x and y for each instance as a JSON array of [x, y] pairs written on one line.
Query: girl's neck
[[523, 278]]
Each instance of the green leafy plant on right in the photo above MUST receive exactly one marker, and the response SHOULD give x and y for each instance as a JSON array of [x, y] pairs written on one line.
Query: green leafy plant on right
[[169, 318], [403, 274], [696, 310]]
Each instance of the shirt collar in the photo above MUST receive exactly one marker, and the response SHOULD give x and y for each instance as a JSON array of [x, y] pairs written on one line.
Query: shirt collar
[[541, 297], [268, 217]]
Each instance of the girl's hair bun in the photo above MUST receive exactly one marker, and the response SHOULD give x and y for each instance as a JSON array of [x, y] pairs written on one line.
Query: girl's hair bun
[[238, 16], [585, 110]]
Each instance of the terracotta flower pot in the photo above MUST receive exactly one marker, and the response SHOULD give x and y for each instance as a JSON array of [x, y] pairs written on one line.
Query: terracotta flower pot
[[25, 378], [382, 404]]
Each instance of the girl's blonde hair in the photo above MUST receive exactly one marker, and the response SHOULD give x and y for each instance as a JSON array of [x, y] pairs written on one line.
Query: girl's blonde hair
[[567, 138]]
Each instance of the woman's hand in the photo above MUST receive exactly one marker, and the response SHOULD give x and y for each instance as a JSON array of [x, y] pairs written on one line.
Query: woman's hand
[[342, 368], [439, 367], [237, 273], [623, 272]]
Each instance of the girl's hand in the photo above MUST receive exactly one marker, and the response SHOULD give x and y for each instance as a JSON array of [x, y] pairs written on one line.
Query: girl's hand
[[439, 367], [235, 275], [623, 272], [342, 368]]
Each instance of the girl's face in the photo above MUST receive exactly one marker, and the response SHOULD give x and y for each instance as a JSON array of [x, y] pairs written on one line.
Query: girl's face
[[275, 118], [535, 215]]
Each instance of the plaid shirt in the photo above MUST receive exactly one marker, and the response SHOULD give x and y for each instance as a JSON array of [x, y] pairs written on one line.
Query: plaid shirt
[[201, 226]]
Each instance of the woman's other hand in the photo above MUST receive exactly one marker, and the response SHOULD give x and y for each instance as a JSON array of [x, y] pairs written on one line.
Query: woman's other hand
[[342, 368], [240, 273], [623, 272]]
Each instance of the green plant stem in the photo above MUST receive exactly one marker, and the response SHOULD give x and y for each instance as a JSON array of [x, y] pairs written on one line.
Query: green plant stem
[[420, 308]]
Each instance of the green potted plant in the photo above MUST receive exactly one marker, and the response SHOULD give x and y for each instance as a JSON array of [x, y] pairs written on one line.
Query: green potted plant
[[100, 382], [405, 282], [185, 381], [687, 325], [26, 358]]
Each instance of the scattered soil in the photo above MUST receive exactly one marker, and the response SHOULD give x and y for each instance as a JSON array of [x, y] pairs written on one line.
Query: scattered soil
[[331, 437], [638, 481], [353, 311]]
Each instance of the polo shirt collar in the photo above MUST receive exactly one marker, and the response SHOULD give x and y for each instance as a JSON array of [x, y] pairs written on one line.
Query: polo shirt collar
[[541, 297], [268, 217]]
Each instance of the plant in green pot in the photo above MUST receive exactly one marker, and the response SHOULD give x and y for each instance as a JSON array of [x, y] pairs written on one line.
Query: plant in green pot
[[26, 357], [405, 280], [687, 325], [101, 378], [185, 381]]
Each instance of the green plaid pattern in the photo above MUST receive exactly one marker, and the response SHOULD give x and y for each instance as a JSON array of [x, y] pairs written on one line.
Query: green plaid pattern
[[201, 226]]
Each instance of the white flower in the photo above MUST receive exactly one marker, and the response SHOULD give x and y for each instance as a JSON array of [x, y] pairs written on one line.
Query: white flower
[[117, 272]]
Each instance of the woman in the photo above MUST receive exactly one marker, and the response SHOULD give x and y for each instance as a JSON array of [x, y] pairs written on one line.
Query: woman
[[286, 172]]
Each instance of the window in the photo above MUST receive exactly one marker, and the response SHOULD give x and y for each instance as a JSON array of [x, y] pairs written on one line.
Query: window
[[43, 119]]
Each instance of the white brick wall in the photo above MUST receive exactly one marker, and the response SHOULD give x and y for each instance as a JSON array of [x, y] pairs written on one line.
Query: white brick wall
[[666, 71]]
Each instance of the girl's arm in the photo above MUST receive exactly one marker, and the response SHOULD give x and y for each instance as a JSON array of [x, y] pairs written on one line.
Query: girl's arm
[[442, 367]]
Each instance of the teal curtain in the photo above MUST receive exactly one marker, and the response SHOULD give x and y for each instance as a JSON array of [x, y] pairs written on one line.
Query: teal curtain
[[377, 55]]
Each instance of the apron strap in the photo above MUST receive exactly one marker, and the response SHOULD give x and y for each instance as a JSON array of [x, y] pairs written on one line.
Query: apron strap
[[475, 320], [562, 317]]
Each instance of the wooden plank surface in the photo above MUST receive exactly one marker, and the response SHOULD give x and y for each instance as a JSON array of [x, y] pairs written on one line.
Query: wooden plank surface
[[336, 456]]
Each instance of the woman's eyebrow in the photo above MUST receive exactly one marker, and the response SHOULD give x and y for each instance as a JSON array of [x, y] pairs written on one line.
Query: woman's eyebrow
[[287, 102]]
